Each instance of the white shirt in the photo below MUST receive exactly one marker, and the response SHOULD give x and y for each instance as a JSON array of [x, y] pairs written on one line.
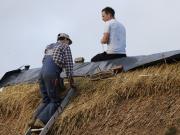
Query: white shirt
[[117, 39]]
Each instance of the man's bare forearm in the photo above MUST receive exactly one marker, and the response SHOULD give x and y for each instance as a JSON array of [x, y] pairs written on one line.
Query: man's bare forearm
[[103, 41], [105, 38]]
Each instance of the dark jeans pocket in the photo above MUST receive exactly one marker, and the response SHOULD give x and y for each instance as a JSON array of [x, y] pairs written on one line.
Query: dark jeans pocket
[[57, 86]]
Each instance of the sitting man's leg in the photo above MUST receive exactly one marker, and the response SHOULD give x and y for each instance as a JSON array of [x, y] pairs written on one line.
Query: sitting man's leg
[[99, 57], [105, 56], [115, 56]]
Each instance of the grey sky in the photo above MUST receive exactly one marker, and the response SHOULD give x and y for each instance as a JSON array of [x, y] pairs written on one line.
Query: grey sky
[[27, 26]]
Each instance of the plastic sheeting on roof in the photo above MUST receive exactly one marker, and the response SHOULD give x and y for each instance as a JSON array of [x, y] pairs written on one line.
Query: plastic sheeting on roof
[[89, 68]]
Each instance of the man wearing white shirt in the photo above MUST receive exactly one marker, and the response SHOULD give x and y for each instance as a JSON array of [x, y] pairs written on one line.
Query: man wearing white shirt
[[114, 36]]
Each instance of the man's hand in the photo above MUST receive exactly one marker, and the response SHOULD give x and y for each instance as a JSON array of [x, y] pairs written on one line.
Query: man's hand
[[71, 82], [102, 42]]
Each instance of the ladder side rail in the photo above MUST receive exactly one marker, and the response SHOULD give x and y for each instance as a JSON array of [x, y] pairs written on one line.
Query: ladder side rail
[[59, 111]]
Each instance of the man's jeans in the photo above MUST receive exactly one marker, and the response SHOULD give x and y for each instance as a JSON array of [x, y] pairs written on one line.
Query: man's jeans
[[104, 56], [50, 86]]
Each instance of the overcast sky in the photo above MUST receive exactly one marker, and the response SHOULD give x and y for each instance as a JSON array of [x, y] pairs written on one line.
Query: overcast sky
[[27, 26]]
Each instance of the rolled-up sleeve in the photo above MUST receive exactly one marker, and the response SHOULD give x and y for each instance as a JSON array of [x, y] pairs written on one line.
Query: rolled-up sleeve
[[68, 62]]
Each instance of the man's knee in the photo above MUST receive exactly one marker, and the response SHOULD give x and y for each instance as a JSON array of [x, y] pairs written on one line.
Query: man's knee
[[97, 57], [93, 59]]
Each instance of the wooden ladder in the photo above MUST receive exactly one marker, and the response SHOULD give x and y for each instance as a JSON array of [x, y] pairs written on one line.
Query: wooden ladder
[[64, 103]]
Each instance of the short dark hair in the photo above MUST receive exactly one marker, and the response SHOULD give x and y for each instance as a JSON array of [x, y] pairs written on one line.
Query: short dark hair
[[109, 10]]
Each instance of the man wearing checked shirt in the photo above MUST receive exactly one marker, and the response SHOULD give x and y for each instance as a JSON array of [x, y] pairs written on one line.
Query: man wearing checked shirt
[[57, 56]]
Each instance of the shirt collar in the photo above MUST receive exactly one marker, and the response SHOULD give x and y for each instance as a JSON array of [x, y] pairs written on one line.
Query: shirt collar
[[60, 43]]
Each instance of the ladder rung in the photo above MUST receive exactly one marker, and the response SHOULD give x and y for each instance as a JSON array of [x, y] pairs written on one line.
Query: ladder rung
[[37, 130]]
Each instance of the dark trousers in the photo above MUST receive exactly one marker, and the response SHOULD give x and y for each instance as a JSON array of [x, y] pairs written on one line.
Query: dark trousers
[[104, 56], [50, 88]]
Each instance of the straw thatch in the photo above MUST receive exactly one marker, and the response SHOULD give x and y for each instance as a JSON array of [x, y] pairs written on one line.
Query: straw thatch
[[144, 101]]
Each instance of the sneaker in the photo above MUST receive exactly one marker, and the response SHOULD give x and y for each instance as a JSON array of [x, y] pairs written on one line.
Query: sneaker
[[38, 124], [31, 122]]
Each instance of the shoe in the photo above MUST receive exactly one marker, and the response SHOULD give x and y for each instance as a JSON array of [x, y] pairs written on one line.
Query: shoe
[[31, 122], [38, 124]]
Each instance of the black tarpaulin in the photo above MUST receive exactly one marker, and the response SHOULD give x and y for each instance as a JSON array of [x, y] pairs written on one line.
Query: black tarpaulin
[[89, 68]]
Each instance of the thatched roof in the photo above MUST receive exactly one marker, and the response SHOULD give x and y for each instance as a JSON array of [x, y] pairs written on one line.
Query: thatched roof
[[143, 101]]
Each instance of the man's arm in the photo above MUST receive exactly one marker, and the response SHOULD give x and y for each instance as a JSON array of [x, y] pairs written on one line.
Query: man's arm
[[106, 35], [105, 38], [69, 66]]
